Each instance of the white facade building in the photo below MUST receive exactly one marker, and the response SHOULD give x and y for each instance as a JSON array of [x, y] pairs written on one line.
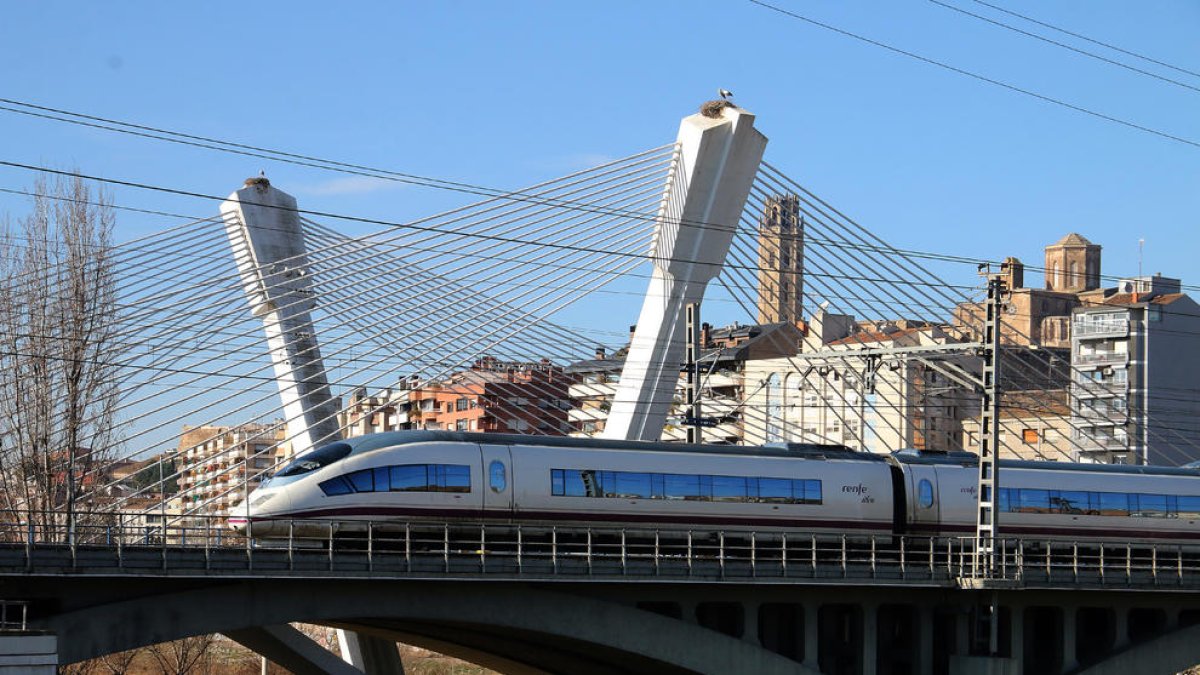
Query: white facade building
[[1136, 360]]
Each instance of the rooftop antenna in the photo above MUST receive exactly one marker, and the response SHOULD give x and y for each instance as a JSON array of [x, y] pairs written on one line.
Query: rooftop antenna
[[1141, 245]]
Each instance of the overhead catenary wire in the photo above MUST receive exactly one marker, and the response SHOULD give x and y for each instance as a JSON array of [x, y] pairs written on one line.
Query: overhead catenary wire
[[1107, 45], [1056, 43], [982, 78]]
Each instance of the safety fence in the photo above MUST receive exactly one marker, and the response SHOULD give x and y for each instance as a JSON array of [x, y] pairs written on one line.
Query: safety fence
[[356, 548]]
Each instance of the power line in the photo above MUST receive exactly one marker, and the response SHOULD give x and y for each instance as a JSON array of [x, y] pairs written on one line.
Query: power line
[[1063, 45], [976, 76], [1088, 39]]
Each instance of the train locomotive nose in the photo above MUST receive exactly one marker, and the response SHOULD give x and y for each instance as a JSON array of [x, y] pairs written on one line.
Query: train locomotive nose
[[254, 515]]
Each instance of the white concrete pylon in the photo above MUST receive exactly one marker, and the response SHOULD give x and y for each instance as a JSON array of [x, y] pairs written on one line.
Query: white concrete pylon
[[719, 157], [268, 245]]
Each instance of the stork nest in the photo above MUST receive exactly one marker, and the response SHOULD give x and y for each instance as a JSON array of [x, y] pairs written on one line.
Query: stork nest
[[713, 108], [258, 181]]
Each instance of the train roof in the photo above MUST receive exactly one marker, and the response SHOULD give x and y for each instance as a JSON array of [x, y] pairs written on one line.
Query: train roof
[[361, 444], [968, 459]]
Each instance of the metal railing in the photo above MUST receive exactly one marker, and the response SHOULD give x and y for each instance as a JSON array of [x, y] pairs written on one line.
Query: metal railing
[[1100, 328], [472, 549], [1101, 358]]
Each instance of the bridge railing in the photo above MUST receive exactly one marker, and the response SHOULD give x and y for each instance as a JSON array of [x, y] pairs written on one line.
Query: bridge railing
[[465, 549]]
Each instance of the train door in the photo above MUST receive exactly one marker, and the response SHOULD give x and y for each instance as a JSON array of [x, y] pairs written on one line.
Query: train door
[[958, 487], [924, 502], [497, 480]]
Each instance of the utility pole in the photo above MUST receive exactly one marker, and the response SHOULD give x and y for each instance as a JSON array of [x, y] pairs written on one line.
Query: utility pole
[[987, 521], [694, 432]]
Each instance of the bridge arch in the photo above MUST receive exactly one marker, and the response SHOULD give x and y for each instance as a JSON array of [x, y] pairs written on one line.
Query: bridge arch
[[516, 629], [1172, 652]]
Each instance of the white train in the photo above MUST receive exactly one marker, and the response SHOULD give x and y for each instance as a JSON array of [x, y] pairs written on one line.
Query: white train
[[410, 476]]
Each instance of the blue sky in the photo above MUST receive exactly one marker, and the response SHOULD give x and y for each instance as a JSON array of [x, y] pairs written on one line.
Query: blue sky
[[509, 94]]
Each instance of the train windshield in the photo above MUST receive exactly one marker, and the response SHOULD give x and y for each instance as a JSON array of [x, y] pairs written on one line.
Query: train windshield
[[311, 461]]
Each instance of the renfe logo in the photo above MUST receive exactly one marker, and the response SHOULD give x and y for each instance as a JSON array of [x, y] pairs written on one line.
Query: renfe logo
[[860, 490]]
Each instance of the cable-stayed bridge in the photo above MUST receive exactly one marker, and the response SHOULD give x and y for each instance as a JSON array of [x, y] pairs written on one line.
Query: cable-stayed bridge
[[480, 306]]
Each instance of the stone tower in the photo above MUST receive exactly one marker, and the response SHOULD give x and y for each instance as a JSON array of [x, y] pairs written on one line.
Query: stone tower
[[1072, 265], [781, 260]]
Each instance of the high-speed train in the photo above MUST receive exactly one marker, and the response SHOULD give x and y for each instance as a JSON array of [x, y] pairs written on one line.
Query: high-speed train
[[444, 476]]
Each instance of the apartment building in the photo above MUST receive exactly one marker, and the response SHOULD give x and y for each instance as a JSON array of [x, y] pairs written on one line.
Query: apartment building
[[527, 397], [1136, 357], [723, 397], [841, 387], [219, 465]]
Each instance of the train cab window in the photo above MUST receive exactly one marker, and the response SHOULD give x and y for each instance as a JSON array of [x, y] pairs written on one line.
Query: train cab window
[[336, 486], [363, 481], [311, 461], [925, 493], [497, 478]]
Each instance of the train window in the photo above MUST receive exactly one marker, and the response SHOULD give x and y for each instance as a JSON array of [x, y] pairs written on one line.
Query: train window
[[632, 485], [775, 490], [687, 487], [925, 493], [1149, 506], [311, 461], [681, 486], [363, 481], [382, 479], [409, 478], [1003, 500], [335, 486], [728, 489], [1188, 507], [1113, 503], [1069, 502], [812, 492], [497, 478], [457, 478], [1033, 501], [657, 486]]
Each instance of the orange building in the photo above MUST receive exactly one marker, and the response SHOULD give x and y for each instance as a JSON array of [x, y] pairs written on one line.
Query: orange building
[[497, 396]]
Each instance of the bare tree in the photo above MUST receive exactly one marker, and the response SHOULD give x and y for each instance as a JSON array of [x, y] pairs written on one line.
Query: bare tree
[[120, 663], [57, 334], [190, 655]]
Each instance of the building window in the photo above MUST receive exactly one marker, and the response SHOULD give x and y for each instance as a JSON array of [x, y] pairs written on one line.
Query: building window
[[1030, 436], [462, 404], [460, 425]]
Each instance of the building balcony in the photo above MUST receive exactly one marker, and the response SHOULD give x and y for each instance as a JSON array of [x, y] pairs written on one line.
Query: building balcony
[[586, 414], [592, 390], [1086, 443], [1098, 329], [1092, 389], [1100, 359], [1091, 416]]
